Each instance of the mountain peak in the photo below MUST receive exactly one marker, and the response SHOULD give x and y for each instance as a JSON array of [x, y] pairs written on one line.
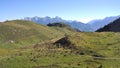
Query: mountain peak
[[57, 17], [113, 26], [99, 23], [46, 20]]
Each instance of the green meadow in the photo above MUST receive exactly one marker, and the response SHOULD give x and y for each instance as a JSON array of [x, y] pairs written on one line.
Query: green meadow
[[25, 44]]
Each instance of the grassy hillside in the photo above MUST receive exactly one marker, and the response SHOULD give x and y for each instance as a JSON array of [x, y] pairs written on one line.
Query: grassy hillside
[[20, 33], [80, 50], [104, 43], [103, 47], [25, 44]]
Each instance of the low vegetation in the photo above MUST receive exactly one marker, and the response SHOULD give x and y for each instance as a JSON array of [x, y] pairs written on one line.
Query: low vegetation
[[25, 44], [19, 33]]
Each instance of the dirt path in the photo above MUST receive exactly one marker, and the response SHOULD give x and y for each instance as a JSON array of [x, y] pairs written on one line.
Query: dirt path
[[113, 58]]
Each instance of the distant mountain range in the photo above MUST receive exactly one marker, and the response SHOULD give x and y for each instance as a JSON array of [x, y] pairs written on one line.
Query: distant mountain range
[[99, 23], [89, 27], [46, 20], [112, 27]]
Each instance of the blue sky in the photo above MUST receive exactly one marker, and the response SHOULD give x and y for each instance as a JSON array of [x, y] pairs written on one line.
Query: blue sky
[[81, 10]]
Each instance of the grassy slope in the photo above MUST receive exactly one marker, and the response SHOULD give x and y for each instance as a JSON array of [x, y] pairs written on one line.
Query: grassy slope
[[105, 44], [18, 34], [24, 33]]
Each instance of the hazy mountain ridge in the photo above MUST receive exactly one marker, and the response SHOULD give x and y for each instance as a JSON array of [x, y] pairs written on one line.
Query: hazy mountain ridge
[[46, 20], [99, 23], [89, 27], [113, 27]]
